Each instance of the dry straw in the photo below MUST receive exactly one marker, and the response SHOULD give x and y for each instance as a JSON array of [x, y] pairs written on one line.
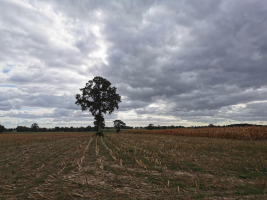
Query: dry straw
[[239, 133]]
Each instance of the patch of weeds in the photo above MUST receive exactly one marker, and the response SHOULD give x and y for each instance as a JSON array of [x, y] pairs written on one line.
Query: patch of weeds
[[202, 186], [18, 191], [113, 170], [176, 182], [214, 149], [18, 176], [91, 171], [62, 195], [30, 186], [246, 190], [130, 150], [193, 167], [199, 196], [69, 168], [35, 166], [263, 170], [157, 181], [39, 180], [117, 181], [10, 167], [217, 194], [81, 186], [138, 174], [243, 176], [174, 166], [101, 189], [127, 160]]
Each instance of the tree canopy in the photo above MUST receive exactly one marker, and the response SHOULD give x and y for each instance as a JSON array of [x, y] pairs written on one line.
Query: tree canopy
[[118, 124], [2, 128], [99, 98], [150, 127], [35, 127], [22, 129]]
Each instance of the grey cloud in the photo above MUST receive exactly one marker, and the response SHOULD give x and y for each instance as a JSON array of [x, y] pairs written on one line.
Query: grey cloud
[[17, 100], [5, 105], [36, 35], [131, 104], [222, 52], [199, 58], [255, 111]]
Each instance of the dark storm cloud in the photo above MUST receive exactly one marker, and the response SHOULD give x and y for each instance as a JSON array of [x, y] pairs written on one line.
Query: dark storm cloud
[[255, 111], [197, 61], [128, 104], [198, 56]]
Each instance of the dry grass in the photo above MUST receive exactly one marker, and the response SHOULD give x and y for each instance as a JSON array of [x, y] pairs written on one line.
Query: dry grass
[[130, 166], [239, 133]]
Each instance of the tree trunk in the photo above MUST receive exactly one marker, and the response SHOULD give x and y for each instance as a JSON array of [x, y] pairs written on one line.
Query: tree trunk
[[99, 132]]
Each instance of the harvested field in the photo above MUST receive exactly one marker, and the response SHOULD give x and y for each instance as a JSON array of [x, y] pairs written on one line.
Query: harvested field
[[130, 166], [238, 133]]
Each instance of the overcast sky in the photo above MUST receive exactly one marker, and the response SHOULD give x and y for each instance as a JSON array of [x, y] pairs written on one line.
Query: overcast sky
[[187, 62]]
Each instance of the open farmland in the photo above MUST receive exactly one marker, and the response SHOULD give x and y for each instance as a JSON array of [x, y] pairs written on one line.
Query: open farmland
[[131, 166], [239, 133]]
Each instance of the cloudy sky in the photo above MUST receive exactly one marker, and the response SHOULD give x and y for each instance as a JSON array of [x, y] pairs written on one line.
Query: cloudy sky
[[186, 62]]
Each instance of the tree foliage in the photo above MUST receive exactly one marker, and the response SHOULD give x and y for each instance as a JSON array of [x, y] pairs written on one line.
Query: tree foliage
[[22, 129], [118, 124], [2, 128], [150, 127], [35, 127], [99, 98]]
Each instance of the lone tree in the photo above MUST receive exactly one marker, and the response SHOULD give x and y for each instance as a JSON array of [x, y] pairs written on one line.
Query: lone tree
[[99, 98], [150, 127], [2, 128], [34, 127], [118, 124]]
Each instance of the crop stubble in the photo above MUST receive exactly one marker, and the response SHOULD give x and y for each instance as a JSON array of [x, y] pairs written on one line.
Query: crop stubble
[[132, 166]]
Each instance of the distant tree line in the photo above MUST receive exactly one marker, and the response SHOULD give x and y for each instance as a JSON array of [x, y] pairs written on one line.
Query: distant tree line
[[56, 129], [120, 127], [35, 128], [152, 127]]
